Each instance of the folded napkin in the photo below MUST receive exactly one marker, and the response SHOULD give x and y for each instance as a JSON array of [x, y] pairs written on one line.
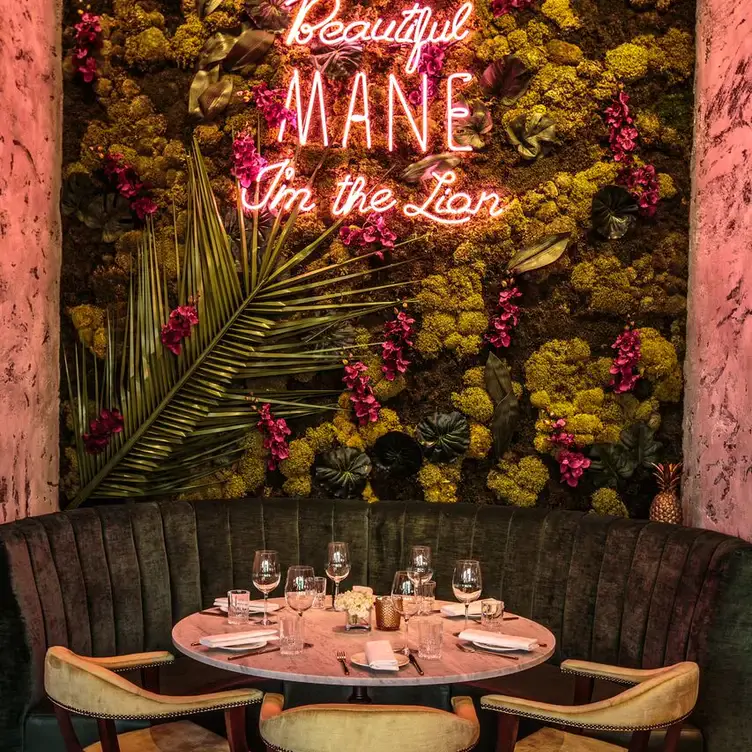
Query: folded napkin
[[458, 609], [228, 639], [380, 655], [499, 640], [362, 589], [255, 607]]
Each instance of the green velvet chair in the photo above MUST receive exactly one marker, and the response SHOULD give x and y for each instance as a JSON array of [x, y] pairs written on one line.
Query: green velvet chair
[[113, 580]]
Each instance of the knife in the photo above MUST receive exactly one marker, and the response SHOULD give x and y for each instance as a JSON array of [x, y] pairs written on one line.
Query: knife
[[415, 663], [261, 651]]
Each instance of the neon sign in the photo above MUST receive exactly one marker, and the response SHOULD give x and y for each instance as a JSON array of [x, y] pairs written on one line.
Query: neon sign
[[318, 22]]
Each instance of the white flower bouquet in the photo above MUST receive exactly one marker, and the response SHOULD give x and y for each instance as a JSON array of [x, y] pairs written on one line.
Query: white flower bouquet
[[357, 606]]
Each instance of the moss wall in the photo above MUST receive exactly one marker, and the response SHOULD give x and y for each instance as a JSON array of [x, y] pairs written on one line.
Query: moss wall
[[580, 54]]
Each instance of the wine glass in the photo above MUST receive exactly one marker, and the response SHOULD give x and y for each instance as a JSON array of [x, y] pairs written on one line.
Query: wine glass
[[467, 583], [405, 600], [300, 589], [338, 565], [266, 576], [419, 568]]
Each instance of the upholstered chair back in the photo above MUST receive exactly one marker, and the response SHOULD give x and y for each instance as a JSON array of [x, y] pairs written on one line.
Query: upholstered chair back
[[115, 579]]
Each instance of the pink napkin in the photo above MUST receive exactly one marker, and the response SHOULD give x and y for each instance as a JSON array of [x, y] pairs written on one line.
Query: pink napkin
[[229, 639], [513, 642]]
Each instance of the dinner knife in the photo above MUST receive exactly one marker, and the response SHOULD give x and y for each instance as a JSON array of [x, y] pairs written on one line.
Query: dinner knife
[[415, 663]]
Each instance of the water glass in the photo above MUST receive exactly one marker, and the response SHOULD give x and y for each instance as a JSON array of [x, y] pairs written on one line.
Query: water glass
[[290, 634], [427, 593], [405, 600], [430, 636], [337, 565], [491, 614], [467, 583], [238, 606], [266, 576], [319, 600]]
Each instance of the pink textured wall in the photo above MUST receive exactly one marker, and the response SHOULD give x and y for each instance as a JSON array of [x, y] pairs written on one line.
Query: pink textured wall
[[717, 490], [30, 145]]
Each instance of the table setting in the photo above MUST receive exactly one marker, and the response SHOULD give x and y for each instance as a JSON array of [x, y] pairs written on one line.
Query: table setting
[[357, 638]]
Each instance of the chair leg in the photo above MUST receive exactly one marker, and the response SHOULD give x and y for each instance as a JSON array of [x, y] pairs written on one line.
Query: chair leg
[[673, 733], [235, 726], [107, 735], [150, 678], [506, 736], [639, 741], [583, 695], [66, 730]]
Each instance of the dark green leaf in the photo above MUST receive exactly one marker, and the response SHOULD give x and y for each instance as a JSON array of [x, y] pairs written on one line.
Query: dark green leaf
[[78, 191], [506, 408], [206, 7], [507, 79], [444, 436], [613, 212], [201, 82], [398, 454], [470, 130], [639, 440], [424, 168], [215, 98], [540, 254], [215, 49], [343, 471], [611, 464], [110, 213], [338, 61], [532, 134], [250, 47]]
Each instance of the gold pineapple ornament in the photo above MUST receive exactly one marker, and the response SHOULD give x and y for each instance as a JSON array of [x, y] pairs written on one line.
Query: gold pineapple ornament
[[666, 506]]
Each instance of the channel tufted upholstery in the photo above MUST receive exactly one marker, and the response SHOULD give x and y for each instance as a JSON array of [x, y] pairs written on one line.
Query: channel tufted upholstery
[[114, 579]]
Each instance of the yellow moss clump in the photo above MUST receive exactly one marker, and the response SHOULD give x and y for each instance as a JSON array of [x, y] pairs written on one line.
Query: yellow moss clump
[[90, 323], [628, 61], [561, 13], [672, 55], [607, 501], [439, 482], [480, 442], [454, 312], [474, 377], [666, 187], [369, 494], [147, 49], [188, 40], [519, 483], [299, 485], [388, 421], [322, 437], [475, 403], [564, 53], [297, 468], [494, 48], [660, 365]]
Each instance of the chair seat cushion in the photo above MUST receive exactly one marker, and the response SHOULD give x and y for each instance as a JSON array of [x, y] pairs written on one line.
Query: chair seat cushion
[[553, 740], [181, 736]]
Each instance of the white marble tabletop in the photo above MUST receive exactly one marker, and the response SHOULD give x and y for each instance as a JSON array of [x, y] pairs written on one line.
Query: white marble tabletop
[[325, 631]]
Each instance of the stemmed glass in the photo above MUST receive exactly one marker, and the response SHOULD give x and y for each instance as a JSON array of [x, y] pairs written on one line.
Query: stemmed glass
[[338, 565], [300, 589], [266, 576], [405, 600], [467, 583], [419, 568]]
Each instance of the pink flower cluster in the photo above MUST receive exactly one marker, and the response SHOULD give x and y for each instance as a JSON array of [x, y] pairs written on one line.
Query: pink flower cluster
[[373, 232], [432, 64], [127, 183], [246, 161], [506, 318], [88, 41], [572, 465], [397, 337], [361, 393], [624, 367], [622, 135], [101, 430], [642, 183], [178, 327], [270, 103], [502, 7], [275, 432]]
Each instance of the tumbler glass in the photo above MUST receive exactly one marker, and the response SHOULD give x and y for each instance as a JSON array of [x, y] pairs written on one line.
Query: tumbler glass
[[290, 634], [430, 637], [491, 614], [238, 608], [319, 600]]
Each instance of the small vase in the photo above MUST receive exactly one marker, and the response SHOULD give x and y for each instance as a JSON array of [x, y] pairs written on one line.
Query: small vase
[[353, 621]]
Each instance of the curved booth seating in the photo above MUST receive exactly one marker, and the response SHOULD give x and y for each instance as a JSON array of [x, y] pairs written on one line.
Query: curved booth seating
[[112, 580]]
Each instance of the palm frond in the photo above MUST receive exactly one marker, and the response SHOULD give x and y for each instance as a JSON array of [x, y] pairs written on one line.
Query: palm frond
[[186, 415]]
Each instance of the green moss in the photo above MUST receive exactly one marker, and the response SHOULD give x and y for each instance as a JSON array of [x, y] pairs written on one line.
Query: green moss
[[148, 49], [659, 365], [564, 53], [607, 501], [439, 482], [519, 484], [475, 403], [480, 442], [560, 12], [628, 61]]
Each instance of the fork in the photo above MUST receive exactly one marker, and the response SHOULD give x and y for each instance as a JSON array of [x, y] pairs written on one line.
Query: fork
[[342, 658]]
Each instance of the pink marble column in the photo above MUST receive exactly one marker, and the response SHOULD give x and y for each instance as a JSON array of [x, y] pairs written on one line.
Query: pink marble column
[[30, 251], [717, 490]]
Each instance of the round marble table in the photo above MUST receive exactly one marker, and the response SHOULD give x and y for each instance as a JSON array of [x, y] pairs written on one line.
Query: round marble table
[[324, 630]]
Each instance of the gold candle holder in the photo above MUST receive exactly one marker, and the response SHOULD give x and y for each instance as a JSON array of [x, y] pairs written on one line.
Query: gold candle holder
[[387, 616]]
